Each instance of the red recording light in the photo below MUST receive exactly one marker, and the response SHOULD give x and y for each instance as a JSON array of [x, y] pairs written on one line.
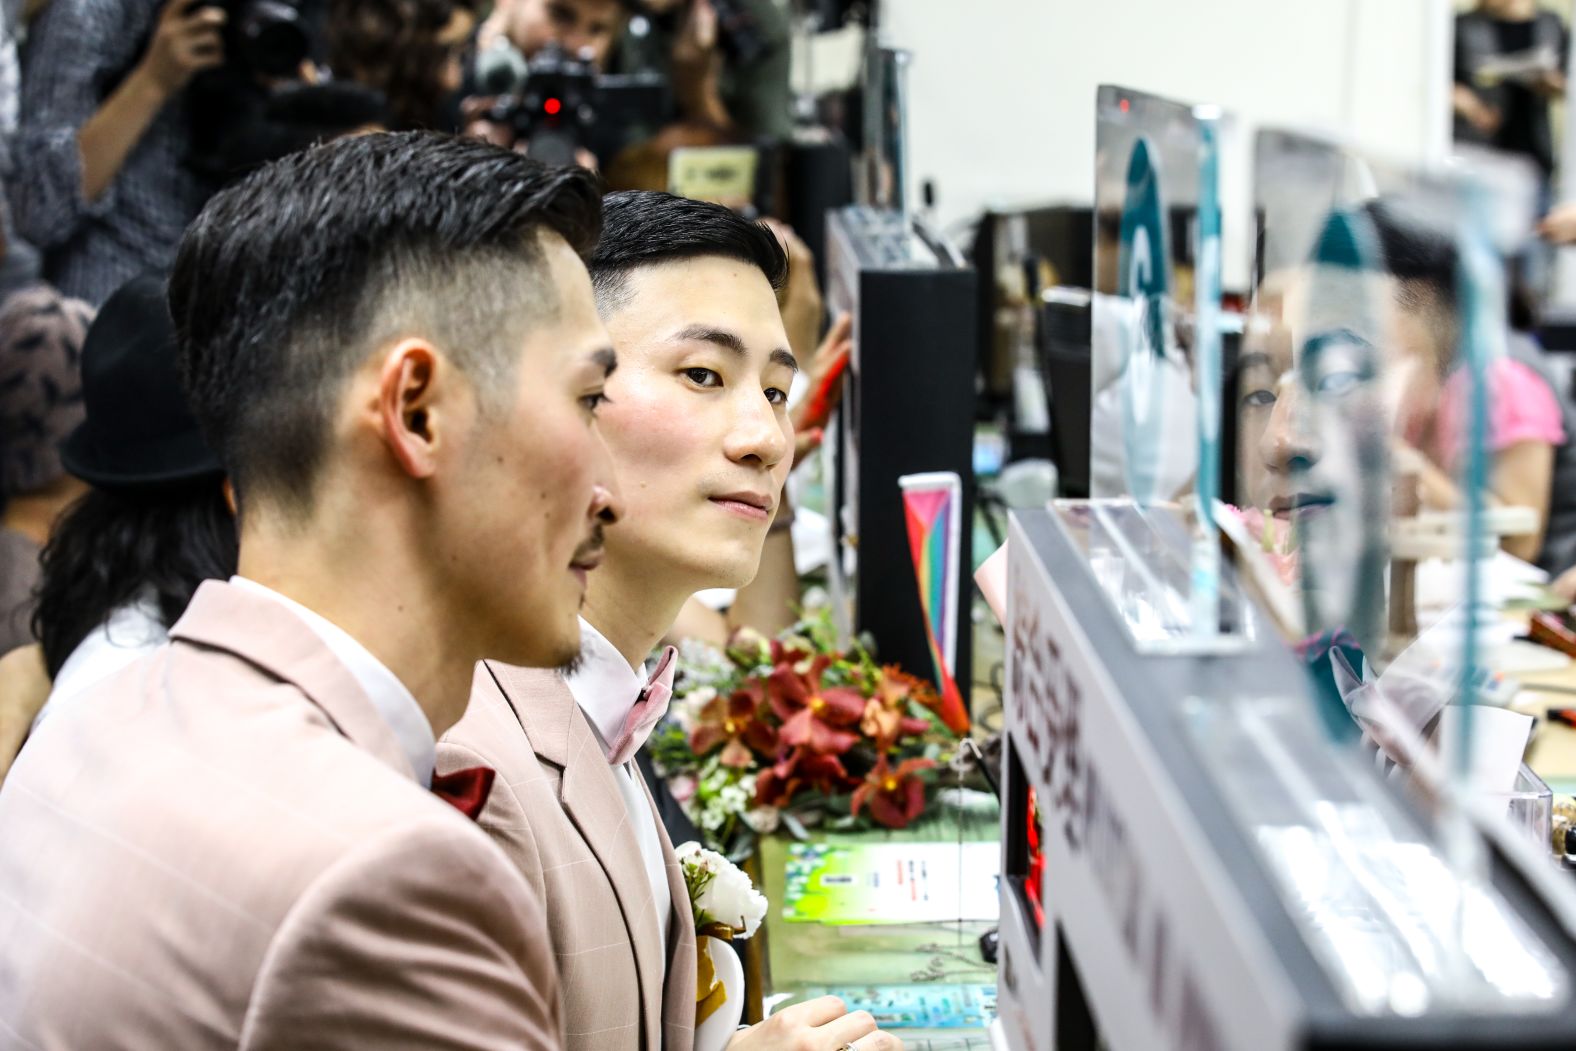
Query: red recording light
[[1124, 104], [552, 106]]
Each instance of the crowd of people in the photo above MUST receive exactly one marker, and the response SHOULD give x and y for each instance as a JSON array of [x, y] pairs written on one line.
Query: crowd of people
[[353, 463]]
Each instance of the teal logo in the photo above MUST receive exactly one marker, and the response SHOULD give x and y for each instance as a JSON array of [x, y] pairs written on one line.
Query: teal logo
[[1144, 267]]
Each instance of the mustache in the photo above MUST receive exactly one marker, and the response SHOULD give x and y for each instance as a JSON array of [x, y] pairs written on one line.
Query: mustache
[[592, 546]]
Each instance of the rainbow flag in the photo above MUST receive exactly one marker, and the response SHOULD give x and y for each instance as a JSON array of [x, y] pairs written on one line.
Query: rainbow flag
[[933, 507]]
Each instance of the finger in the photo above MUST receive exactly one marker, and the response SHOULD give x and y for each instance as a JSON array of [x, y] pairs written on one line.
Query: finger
[[205, 36], [202, 18], [815, 1012], [831, 357], [880, 1040], [178, 10], [705, 24], [845, 1030], [807, 442], [841, 332], [474, 107], [205, 54]]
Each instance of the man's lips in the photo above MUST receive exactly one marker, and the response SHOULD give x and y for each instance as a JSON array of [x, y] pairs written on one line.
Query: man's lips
[[747, 504], [1301, 503], [584, 562]]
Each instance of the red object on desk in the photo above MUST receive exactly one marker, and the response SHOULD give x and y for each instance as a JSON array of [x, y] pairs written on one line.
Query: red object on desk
[[1548, 629], [821, 398]]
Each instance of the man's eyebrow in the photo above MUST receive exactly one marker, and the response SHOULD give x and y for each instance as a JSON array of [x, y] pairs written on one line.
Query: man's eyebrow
[[728, 341], [606, 357], [1254, 357]]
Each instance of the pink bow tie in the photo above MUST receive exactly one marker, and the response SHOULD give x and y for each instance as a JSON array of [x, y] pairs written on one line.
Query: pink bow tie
[[648, 711]]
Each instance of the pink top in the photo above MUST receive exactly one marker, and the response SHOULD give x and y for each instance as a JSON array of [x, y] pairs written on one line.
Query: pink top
[[1521, 408]]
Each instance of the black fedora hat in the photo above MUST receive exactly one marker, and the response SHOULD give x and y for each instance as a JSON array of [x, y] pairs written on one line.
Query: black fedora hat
[[138, 430]]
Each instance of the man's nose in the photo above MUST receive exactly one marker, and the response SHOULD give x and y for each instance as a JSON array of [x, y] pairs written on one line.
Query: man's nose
[[607, 505], [759, 434], [1285, 439]]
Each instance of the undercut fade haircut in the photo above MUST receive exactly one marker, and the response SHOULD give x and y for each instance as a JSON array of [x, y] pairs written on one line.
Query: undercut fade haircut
[[647, 228], [290, 279]]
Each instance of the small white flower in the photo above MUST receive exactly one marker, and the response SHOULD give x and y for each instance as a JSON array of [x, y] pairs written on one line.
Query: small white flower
[[727, 896], [763, 819]]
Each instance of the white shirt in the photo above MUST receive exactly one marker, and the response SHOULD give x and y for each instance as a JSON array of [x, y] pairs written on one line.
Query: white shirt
[[606, 688], [130, 632], [388, 695]]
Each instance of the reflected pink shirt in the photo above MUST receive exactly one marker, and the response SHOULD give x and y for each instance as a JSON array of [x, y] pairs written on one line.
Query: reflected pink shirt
[[1522, 408]]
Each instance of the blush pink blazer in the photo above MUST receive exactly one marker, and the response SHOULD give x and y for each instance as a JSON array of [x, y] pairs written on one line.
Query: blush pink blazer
[[225, 847], [557, 812]]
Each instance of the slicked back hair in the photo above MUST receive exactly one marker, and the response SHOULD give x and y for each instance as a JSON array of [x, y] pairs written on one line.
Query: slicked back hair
[[647, 228], [288, 280]]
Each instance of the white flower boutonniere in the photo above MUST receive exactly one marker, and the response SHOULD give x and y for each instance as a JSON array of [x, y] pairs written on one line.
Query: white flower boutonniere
[[720, 894], [726, 906]]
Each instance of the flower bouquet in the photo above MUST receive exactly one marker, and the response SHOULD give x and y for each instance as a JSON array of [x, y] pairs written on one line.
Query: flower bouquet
[[794, 732]]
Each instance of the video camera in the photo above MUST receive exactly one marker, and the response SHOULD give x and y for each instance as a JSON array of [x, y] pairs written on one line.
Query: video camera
[[559, 104], [268, 38]]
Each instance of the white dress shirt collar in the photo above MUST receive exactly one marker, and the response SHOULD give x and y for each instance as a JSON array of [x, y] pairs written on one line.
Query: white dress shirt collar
[[603, 684], [388, 695], [605, 688]]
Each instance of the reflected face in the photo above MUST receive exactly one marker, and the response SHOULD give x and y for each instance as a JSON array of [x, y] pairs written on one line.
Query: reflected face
[[697, 420], [585, 29], [1299, 410]]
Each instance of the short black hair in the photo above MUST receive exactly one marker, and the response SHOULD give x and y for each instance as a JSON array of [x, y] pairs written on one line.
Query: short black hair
[[1416, 250], [646, 228], [1420, 253], [290, 278]]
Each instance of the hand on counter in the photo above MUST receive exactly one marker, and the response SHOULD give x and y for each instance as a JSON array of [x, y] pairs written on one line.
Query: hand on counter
[[822, 1024]]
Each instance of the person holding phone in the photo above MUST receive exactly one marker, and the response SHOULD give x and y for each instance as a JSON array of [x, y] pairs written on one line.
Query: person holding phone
[[101, 185]]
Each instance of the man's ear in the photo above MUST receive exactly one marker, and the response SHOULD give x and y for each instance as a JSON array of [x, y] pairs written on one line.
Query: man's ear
[[407, 396]]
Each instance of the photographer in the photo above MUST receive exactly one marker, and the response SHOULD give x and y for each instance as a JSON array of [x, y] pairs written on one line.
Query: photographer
[[100, 183], [586, 29], [728, 62]]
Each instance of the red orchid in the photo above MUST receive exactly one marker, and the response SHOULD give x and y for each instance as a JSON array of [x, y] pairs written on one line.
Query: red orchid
[[734, 722], [814, 716], [896, 797], [885, 717], [795, 770]]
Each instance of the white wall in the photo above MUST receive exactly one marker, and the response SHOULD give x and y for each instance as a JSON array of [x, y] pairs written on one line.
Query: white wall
[[1003, 90]]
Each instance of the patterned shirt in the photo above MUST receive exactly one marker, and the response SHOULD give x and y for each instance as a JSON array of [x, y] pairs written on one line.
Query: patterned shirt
[[77, 52]]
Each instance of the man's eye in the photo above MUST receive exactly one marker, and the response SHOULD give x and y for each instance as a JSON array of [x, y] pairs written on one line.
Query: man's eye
[[703, 377], [1258, 399], [1338, 383], [776, 396]]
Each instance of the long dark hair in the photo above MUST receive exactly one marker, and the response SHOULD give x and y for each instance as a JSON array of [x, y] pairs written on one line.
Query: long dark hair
[[111, 546]]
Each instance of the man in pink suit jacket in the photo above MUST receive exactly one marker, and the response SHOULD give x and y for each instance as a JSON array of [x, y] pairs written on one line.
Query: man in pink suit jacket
[[392, 343], [696, 420]]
